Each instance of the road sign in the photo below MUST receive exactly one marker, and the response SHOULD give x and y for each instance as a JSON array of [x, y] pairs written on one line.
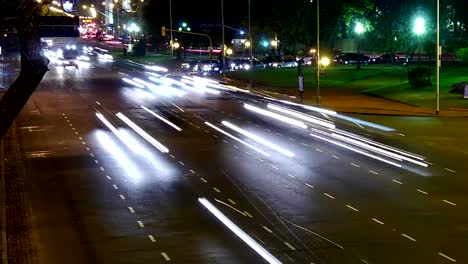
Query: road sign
[[465, 95]]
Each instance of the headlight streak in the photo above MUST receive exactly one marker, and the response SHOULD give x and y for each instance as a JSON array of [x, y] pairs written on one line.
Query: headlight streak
[[357, 150], [258, 139], [156, 68], [163, 89], [133, 83], [197, 86], [405, 153], [238, 232], [302, 116], [162, 119], [308, 107], [142, 133], [276, 116], [364, 123], [236, 139]]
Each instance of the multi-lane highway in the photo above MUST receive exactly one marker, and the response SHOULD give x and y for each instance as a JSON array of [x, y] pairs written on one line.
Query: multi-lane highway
[[133, 164]]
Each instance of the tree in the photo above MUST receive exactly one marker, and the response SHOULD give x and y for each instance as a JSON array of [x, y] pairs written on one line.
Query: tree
[[33, 64]]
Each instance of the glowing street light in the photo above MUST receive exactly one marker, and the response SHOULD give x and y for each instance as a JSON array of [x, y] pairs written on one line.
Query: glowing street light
[[274, 43], [247, 44], [176, 45], [359, 29], [265, 44], [419, 26], [85, 6], [325, 61], [229, 52]]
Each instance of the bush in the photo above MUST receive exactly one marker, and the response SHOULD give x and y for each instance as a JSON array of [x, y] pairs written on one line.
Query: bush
[[462, 54], [420, 77], [458, 88]]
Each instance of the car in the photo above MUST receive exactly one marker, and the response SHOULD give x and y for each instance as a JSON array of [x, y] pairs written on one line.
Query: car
[[351, 58], [189, 66], [288, 63], [208, 66], [386, 59]]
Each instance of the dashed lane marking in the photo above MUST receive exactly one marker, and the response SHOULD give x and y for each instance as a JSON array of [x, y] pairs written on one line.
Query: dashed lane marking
[[82, 142], [274, 167], [452, 171], [408, 237], [203, 180], [102, 168], [131, 210], [267, 229], [76, 133], [449, 202], [216, 190], [96, 161], [335, 157], [289, 246], [225, 141], [115, 186], [292, 176], [151, 237], [192, 171], [231, 201], [88, 149], [140, 224], [373, 172], [248, 214], [319, 150], [304, 144], [292, 139], [80, 138], [352, 208], [328, 195], [236, 146], [308, 185], [172, 156], [165, 256], [395, 181], [421, 191], [446, 257], [108, 177], [355, 165], [122, 197], [181, 163], [377, 221]]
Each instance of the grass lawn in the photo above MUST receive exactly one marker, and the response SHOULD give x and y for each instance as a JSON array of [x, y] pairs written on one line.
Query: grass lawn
[[381, 80]]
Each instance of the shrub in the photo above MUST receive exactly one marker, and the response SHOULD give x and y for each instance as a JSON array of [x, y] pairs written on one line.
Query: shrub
[[462, 54], [420, 77], [458, 88]]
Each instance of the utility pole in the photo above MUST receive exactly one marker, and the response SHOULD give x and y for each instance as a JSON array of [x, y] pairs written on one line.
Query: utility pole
[[439, 55], [170, 22], [222, 45], [318, 52]]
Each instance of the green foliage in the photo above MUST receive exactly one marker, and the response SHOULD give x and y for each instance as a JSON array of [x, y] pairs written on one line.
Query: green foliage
[[458, 88], [419, 77], [463, 54]]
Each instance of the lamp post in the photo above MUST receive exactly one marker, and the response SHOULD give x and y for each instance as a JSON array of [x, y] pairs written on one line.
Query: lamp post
[[170, 23], [438, 63], [222, 44], [318, 51], [419, 29], [359, 29]]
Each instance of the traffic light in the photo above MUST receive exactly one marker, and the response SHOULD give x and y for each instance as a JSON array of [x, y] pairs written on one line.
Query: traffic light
[[163, 31]]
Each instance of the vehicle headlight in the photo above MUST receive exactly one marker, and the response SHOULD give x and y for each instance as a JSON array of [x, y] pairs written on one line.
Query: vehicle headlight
[[233, 65], [73, 47], [247, 67]]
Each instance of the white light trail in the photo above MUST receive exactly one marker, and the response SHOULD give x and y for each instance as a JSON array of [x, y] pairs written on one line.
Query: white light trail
[[156, 68], [308, 107], [239, 232], [381, 151], [198, 87], [302, 116], [133, 83], [279, 117], [165, 87], [142, 133], [236, 139], [162, 119], [364, 123], [258, 139], [357, 150]]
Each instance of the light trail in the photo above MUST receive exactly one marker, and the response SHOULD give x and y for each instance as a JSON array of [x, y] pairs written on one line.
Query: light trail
[[276, 116], [162, 119], [133, 83], [302, 116]]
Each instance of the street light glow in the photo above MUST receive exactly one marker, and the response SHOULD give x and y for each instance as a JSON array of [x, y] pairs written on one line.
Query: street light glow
[[359, 28], [419, 26], [325, 61], [184, 24], [229, 51], [247, 44], [265, 44]]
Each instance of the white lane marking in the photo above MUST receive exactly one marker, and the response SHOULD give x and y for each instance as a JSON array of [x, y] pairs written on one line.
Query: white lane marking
[[108, 177], [140, 223], [377, 221], [236, 147], [178, 107], [215, 136], [73, 128], [352, 208], [319, 150], [421, 191], [355, 165], [115, 186], [308, 185], [151, 237], [274, 167], [449, 202], [452, 171], [279, 134], [446, 257], [292, 176], [88, 149], [248, 214], [292, 139], [259, 159], [181, 163], [122, 197], [231, 201], [131, 210], [267, 229], [225, 141], [216, 190], [102, 168], [80, 138], [304, 144], [373, 172], [335, 157], [267, 129], [172, 156], [98, 103], [395, 181], [328, 195], [203, 180], [96, 161], [76, 133], [408, 237], [91, 154], [165, 256], [82, 142], [232, 207], [192, 171], [206, 131], [289, 246]]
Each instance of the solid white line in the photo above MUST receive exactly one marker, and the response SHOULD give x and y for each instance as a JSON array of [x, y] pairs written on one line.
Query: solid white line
[[216, 190], [231, 201], [308, 185], [162, 119], [203, 180], [377, 221], [140, 223], [447, 169], [352, 208], [131, 210], [289, 246], [373, 172], [151, 238], [446, 201], [446, 257], [399, 182], [165, 256], [421, 191], [355, 165], [408, 237], [122, 197], [115, 186], [328, 195], [292, 176], [267, 229]]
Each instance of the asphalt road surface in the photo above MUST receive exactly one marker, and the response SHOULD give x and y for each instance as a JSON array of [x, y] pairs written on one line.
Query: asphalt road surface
[[126, 188]]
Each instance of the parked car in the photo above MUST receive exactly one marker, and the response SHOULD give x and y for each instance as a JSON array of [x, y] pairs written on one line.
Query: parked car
[[351, 58], [386, 59], [289, 63]]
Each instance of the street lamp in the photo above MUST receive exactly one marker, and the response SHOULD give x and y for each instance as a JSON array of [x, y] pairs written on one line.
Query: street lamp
[[247, 44], [229, 52], [419, 29], [359, 29]]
